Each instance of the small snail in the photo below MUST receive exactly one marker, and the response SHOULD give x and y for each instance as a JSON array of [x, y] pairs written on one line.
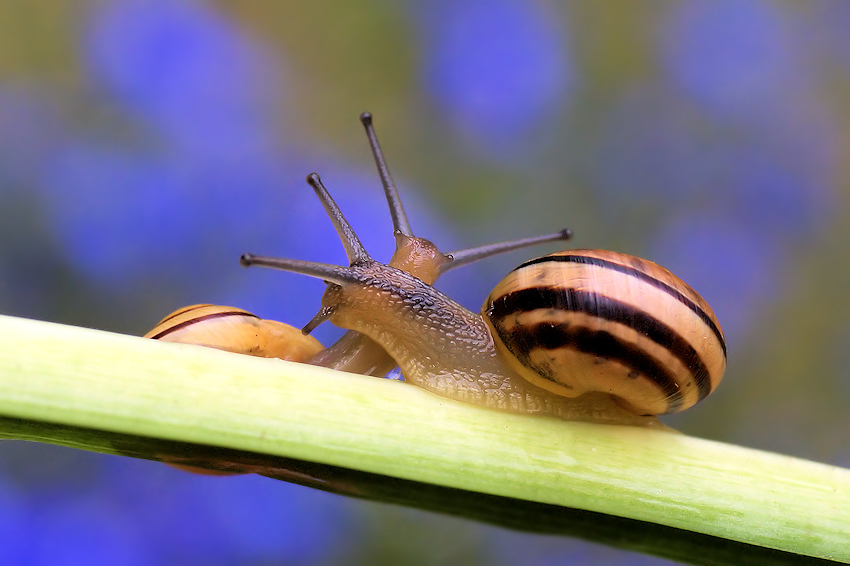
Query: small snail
[[585, 335], [235, 330]]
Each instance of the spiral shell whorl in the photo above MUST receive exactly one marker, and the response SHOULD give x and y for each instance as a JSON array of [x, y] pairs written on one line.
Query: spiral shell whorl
[[593, 320]]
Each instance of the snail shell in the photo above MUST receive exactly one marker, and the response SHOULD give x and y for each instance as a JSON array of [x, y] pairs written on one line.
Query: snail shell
[[595, 320], [235, 330]]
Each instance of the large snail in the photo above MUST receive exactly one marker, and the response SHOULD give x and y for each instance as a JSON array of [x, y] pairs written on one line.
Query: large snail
[[585, 335]]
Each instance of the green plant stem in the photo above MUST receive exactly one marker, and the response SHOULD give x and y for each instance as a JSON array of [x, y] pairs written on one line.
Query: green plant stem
[[56, 382]]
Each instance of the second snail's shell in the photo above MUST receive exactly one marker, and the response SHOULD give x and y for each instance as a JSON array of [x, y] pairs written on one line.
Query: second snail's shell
[[235, 330], [594, 320]]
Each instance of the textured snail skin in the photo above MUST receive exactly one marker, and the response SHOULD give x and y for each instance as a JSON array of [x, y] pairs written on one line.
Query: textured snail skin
[[357, 353], [446, 349]]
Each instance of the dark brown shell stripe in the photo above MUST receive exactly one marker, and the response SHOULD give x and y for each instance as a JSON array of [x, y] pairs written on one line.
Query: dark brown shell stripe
[[643, 276], [600, 343], [196, 319], [543, 290], [182, 311]]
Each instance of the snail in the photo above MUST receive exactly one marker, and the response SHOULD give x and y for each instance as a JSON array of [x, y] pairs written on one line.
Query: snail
[[587, 335], [235, 330]]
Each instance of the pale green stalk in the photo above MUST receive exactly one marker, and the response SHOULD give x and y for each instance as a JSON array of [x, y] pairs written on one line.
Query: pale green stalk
[[140, 389]]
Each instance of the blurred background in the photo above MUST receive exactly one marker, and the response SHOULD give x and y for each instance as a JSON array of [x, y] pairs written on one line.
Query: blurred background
[[145, 144]]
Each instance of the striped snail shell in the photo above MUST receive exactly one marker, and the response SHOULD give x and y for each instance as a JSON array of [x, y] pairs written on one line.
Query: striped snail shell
[[235, 330], [586, 320]]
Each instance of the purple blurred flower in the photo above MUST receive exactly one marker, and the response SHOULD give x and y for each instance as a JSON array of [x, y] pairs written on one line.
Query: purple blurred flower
[[781, 184], [776, 173], [650, 145], [116, 214], [122, 216], [730, 55], [32, 129], [225, 520], [509, 548], [79, 530], [14, 521], [129, 214], [500, 70], [186, 71]]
